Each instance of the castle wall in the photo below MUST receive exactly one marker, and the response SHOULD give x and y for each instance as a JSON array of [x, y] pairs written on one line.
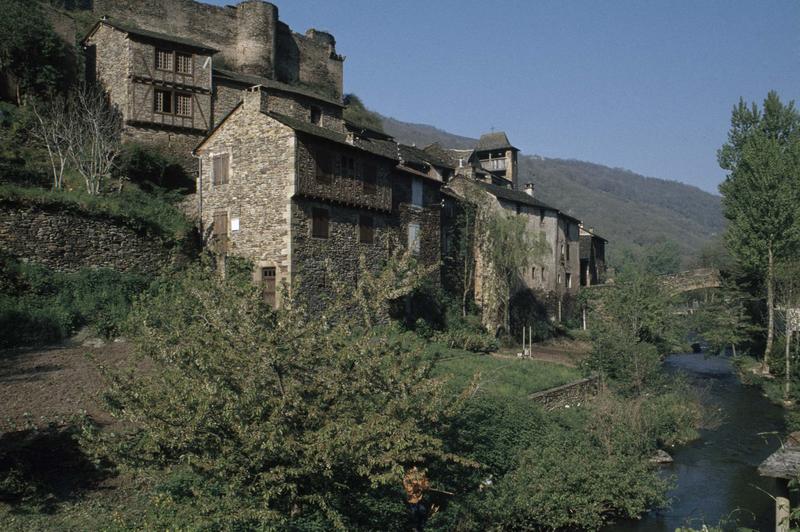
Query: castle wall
[[249, 36]]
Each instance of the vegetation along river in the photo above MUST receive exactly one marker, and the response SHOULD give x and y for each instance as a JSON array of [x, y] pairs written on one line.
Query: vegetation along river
[[716, 478]]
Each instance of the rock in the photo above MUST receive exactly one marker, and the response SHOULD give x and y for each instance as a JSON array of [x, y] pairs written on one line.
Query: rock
[[94, 342], [661, 457]]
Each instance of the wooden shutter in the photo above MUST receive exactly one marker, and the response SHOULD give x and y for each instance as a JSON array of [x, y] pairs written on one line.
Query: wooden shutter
[[416, 192], [220, 223], [319, 223], [220, 169], [268, 281], [366, 229]]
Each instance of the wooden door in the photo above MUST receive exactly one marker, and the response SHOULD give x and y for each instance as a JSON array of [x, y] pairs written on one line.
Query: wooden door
[[269, 286]]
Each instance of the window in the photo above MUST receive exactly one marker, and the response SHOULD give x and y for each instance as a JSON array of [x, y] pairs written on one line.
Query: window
[[541, 216], [316, 116], [413, 237], [366, 229], [183, 104], [319, 223], [542, 274], [268, 282], [416, 192], [567, 250], [370, 178], [164, 60], [220, 167], [220, 223], [162, 101], [533, 273], [562, 250], [559, 278], [568, 279], [183, 63], [348, 167], [324, 167]]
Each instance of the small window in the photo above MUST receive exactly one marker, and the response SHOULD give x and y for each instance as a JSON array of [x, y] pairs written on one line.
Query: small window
[[416, 192], [567, 250], [366, 229], [183, 104], [268, 278], [348, 166], [533, 273], [220, 169], [162, 101], [164, 60], [413, 238], [541, 272], [562, 251], [568, 280], [370, 178], [324, 167], [316, 116], [183, 63], [319, 223], [541, 216], [220, 223], [559, 278]]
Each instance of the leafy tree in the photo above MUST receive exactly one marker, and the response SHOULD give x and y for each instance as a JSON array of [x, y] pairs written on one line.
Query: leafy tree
[[761, 194], [356, 112], [275, 418], [787, 288], [30, 50], [723, 321]]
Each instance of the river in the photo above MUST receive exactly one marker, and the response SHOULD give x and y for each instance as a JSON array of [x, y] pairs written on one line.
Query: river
[[716, 478]]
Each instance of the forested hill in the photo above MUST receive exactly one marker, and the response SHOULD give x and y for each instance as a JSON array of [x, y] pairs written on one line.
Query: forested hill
[[627, 208]]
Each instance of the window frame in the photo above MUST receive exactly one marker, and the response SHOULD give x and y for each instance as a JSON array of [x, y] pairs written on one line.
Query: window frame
[[178, 94], [172, 61], [190, 57], [169, 98]]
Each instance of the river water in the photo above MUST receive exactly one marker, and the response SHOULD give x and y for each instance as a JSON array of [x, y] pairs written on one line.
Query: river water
[[716, 478]]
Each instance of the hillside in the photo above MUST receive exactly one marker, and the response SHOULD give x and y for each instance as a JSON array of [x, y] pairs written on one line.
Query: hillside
[[629, 209]]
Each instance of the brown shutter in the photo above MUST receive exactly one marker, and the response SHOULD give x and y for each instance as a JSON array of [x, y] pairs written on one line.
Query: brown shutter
[[319, 223], [268, 280], [220, 224], [220, 169], [366, 230]]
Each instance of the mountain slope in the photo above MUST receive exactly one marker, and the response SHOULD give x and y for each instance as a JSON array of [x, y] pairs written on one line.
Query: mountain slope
[[629, 209]]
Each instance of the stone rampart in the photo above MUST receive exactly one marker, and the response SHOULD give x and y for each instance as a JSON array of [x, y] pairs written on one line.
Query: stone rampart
[[567, 394], [68, 241]]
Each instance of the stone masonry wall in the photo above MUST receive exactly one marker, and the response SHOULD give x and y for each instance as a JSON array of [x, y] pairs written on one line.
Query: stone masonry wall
[[69, 241], [260, 185], [568, 394], [112, 53]]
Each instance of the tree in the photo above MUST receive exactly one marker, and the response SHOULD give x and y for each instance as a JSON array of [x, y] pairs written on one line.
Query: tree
[[356, 112], [279, 417], [787, 295], [761, 193], [723, 320], [30, 51], [94, 132], [52, 130]]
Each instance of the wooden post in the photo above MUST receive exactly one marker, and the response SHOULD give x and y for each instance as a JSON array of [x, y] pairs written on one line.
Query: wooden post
[[523, 342], [782, 507]]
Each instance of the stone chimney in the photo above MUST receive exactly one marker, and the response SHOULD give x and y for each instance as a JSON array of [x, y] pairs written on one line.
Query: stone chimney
[[529, 189], [256, 99]]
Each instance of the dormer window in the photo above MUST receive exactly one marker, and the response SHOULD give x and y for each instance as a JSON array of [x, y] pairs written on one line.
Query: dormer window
[[165, 60]]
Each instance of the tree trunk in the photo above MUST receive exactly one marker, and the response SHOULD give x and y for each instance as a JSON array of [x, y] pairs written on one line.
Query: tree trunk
[[788, 379], [770, 310]]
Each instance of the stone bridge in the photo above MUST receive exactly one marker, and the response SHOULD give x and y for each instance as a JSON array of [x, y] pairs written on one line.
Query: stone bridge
[[692, 280]]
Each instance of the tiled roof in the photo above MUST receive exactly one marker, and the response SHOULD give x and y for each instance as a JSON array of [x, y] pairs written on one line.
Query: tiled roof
[[493, 141], [147, 34], [250, 81]]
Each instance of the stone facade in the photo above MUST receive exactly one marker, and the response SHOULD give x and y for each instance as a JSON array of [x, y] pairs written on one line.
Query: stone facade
[[569, 394], [68, 241], [249, 36]]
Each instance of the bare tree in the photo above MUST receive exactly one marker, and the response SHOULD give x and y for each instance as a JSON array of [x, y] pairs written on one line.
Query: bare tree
[[787, 292], [52, 131], [95, 132]]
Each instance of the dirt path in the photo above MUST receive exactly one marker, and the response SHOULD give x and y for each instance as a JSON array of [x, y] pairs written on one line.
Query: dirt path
[[50, 384], [561, 351]]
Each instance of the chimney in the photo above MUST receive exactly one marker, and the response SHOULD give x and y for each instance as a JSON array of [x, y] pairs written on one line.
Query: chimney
[[256, 99], [529, 189]]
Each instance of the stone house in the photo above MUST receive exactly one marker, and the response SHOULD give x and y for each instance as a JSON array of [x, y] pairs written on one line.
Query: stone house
[[593, 257], [305, 202]]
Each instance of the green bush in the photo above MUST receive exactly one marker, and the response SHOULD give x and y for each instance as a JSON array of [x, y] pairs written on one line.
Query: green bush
[[38, 305]]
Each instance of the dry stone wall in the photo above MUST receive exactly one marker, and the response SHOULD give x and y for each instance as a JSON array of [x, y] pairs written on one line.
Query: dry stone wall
[[568, 394], [69, 241]]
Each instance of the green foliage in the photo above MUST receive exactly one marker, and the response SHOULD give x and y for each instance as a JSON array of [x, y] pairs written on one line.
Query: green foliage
[[357, 113], [275, 419], [38, 305], [151, 166], [153, 213], [632, 327], [30, 50]]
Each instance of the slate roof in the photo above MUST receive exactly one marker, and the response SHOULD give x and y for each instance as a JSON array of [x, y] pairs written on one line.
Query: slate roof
[[251, 80], [514, 195], [442, 155], [494, 141], [153, 35]]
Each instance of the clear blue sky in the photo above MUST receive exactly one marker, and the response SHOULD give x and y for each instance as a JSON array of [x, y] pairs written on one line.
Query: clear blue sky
[[642, 85]]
